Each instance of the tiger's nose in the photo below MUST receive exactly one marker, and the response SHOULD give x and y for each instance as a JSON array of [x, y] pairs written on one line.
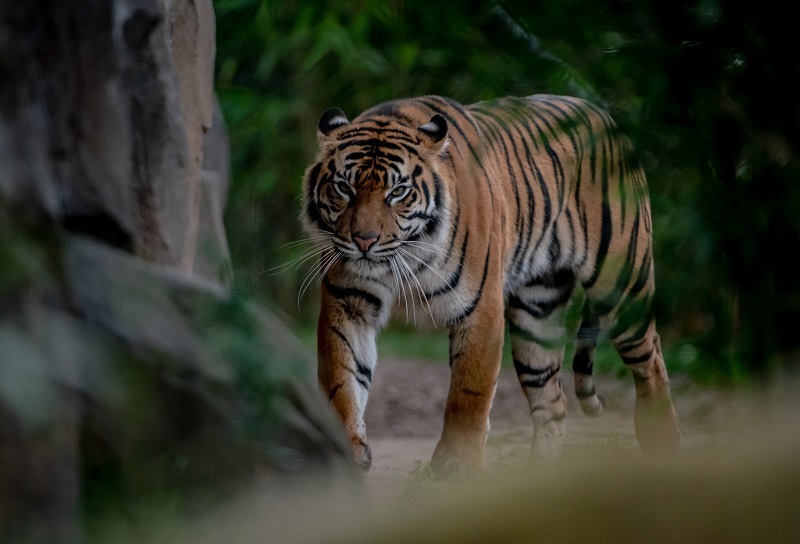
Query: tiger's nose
[[365, 241]]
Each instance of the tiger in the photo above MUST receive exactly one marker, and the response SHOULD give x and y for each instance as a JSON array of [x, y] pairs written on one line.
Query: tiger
[[484, 214]]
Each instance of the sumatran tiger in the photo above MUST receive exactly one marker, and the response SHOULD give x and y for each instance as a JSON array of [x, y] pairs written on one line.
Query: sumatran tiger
[[463, 211]]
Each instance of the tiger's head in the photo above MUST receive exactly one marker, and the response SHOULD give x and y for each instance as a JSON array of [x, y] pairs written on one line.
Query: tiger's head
[[374, 195]]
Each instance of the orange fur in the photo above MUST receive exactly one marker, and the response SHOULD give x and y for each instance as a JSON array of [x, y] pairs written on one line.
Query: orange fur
[[469, 209]]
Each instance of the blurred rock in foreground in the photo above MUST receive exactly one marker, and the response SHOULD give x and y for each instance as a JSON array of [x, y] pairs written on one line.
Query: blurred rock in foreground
[[129, 372]]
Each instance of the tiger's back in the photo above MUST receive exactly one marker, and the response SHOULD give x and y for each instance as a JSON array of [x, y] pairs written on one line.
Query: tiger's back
[[465, 209]]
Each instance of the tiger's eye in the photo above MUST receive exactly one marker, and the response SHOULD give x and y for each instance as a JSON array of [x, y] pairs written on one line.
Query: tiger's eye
[[399, 192], [343, 187]]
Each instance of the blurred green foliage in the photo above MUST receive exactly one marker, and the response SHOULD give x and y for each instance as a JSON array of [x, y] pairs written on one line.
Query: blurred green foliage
[[707, 90]]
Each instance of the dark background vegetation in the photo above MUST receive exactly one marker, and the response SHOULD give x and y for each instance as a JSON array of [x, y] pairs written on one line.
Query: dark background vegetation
[[708, 91]]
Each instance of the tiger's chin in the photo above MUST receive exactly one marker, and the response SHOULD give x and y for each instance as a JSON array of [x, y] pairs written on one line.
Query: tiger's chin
[[367, 268]]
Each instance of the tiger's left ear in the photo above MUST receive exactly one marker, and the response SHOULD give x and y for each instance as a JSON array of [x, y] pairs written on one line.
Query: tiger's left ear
[[331, 119], [434, 134]]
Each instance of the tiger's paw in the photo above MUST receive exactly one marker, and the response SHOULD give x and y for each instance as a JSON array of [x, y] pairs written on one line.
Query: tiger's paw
[[450, 462], [546, 446], [592, 404], [361, 453], [446, 468], [657, 428], [548, 435]]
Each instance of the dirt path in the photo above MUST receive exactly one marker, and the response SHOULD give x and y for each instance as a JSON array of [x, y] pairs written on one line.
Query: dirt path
[[406, 407]]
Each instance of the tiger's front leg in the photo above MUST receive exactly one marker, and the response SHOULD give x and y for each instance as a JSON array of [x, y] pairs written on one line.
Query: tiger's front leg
[[476, 345], [346, 359]]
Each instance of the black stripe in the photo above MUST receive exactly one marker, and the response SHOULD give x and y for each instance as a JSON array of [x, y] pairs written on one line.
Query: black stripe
[[363, 383], [354, 156], [541, 309], [589, 329], [334, 391], [432, 225], [375, 142], [585, 230], [456, 276], [345, 292], [461, 109], [361, 368], [592, 143], [605, 229], [632, 343], [311, 209], [517, 303], [570, 234], [582, 362], [531, 208], [585, 394], [587, 124], [428, 101], [554, 248], [567, 123], [426, 192], [555, 279], [364, 371], [643, 277], [548, 306], [388, 156], [458, 128], [621, 194], [539, 377], [419, 215], [471, 307], [437, 187], [355, 135], [610, 301], [547, 203], [639, 359], [521, 219], [388, 109], [410, 149], [638, 336], [558, 167]]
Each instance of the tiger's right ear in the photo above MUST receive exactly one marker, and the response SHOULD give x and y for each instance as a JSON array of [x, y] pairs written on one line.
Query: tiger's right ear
[[434, 134], [332, 119]]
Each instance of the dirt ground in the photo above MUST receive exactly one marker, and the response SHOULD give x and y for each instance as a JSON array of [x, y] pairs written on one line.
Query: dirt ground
[[406, 406]]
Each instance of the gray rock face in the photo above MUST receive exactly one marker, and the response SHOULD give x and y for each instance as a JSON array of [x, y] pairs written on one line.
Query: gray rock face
[[127, 369], [110, 121]]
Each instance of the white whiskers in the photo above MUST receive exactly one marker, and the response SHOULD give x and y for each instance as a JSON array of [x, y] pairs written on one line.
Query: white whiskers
[[322, 254], [429, 267], [319, 245], [409, 273], [424, 246], [399, 284]]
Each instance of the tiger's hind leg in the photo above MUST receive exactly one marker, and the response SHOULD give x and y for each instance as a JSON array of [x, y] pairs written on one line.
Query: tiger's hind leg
[[627, 316], [591, 403], [536, 323], [655, 419]]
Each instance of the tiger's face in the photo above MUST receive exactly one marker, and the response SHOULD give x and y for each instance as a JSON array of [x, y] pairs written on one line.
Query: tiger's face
[[374, 195]]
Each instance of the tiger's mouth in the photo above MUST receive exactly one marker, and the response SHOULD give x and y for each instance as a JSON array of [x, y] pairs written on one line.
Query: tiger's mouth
[[368, 266], [376, 254], [372, 259], [367, 258]]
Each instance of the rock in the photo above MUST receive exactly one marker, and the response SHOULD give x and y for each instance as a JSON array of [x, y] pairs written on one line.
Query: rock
[[212, 258], [114, 142], [131, 371]]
